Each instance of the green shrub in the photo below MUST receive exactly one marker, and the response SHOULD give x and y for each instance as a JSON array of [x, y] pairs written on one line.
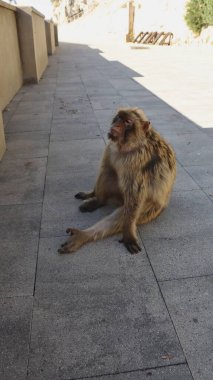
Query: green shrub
[[199, 14]]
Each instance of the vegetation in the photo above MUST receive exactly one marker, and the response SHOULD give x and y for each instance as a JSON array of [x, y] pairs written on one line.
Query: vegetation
[[199, 14]]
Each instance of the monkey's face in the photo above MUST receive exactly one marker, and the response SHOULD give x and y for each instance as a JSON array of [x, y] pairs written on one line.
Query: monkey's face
[[128, 128]]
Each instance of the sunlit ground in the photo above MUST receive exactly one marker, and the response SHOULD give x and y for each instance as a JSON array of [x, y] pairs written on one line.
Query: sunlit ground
[[177, 74]]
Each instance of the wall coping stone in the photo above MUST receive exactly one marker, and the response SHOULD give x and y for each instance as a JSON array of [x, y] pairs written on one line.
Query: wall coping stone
[[31, 10], [8, 6]]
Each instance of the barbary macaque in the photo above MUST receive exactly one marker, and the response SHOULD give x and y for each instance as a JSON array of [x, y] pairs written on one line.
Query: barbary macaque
[[137, 171]]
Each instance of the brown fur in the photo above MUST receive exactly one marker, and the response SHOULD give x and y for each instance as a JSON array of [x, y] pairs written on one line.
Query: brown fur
[[138, 170]]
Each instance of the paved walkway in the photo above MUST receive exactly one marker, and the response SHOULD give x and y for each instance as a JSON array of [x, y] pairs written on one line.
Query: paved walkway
[[102, 313]]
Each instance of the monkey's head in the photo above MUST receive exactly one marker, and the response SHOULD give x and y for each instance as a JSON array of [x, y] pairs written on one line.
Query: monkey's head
[[129, 128]]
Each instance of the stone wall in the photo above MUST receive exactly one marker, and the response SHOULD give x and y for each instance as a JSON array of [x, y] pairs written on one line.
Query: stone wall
[[31, 30], [10, 62], [23, 52]]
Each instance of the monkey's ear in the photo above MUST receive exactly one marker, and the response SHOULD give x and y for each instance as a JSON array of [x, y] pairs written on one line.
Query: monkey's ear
[[145, 125]]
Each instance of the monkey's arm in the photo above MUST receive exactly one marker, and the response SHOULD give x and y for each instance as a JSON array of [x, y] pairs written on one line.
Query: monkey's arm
[[133, 199]]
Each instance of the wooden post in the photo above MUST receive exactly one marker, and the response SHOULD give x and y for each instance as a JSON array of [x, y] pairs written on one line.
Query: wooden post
[[130, 35]]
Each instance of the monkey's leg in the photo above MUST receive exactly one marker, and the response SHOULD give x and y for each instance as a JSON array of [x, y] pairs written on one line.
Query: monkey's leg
[[85, 195], [110, 225], [150, 215], [106, 189], [91, 205]]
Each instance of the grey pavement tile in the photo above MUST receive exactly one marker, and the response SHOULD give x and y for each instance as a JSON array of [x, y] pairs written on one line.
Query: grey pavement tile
[[124, 83], [209, 193], [68, 79], [42, 88], [14, 337], [188, 213], [36, 118], [184, 180], [19, 221], [61, 209], [108, 102], [27, 145], [38, 97], [35, 107], [31, 125], [104, 118], [72, 88], [188, 256], [98, 89], [22, 180], [70, 131], [68, 99], [18, 266], [172, 121], [25, 123], [48, 80], [175, 372], [76, 109], [138, 92], [19, 232], [190, 303], [77, 154], [202, 175], [192, 149], [209, 130], [179, 126], [105, 321]]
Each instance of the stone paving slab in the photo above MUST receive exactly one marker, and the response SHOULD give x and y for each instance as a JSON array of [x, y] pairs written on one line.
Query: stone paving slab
[[14, 336], [60, 208], [192, 149], [190, 304], [19, 235], [27, 145], [62, 155], [180, 372], [189, 213], [184, 181], [173, 258], [105, 308], [202, 175], [66, 131], [22, 180]]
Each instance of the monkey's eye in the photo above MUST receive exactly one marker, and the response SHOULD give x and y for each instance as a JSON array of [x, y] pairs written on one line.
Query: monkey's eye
[[115, 119], [129, 124]]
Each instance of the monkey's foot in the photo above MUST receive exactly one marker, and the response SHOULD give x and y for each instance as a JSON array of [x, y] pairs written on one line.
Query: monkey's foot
[[131, 244], [90, 206], [81, 195], [76, 240]]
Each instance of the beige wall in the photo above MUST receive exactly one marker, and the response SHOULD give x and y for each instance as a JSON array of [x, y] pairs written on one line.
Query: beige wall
[[31, 30], [2, 138], [56, 34], [50, 37], [10, 62], [40, 43]]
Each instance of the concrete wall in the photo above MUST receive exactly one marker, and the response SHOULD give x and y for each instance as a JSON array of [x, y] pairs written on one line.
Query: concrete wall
[[56, 34], [50, 37], [2, 138], [10, 62], [40, 42], [31, 30]]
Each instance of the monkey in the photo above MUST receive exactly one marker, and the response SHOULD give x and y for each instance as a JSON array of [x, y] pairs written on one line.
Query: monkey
[[137, 172]]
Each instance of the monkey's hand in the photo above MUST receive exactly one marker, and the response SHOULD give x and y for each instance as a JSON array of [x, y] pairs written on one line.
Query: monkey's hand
[[131, 244], [76, 240]]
